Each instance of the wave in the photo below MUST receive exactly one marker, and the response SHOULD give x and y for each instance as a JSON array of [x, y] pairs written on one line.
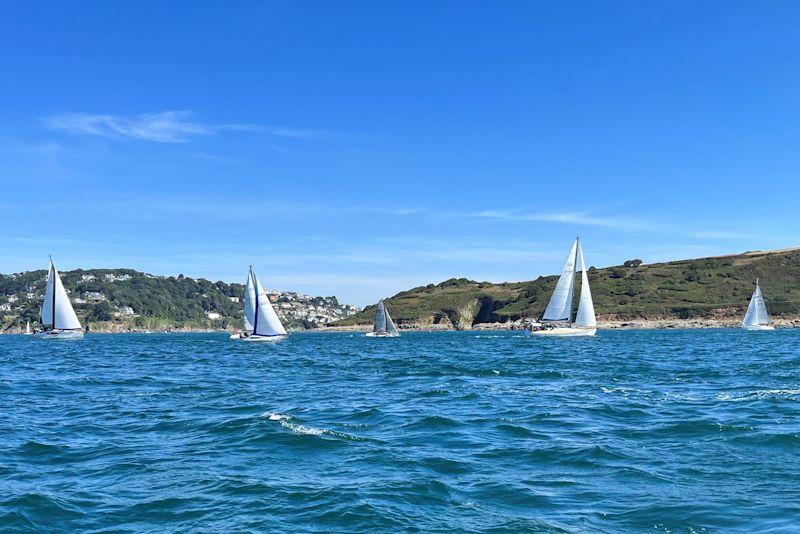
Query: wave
[[760, 394], [285, 420]]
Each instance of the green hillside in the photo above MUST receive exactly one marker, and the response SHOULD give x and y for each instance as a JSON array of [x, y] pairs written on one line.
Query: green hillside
[[108, 297], [701, 288]]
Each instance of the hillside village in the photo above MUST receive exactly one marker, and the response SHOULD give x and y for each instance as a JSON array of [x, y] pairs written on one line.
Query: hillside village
[[123, 299]]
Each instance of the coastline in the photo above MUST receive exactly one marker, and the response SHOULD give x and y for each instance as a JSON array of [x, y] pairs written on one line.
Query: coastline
[[640, 324], [643, 324]]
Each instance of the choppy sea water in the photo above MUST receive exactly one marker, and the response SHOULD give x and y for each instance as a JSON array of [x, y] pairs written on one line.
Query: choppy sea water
[[670, 431]]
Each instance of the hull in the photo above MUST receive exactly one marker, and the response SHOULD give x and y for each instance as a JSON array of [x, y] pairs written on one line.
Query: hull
[[377, 334], [565, 332], [258, 338], [59, 334], [758, 327]]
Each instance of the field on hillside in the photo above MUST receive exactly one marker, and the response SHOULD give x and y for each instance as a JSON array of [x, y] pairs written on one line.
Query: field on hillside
[[718, 287]]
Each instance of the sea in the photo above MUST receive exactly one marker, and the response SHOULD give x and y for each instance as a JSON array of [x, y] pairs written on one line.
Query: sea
[[629, 431]]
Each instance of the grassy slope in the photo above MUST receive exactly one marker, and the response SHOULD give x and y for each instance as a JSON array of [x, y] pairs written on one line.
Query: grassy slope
[[706, 287], [159, 301]]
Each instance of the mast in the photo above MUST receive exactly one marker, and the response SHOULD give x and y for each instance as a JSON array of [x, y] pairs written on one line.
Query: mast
[[53, 281], [756, 293], [255, 290], [574, 274]]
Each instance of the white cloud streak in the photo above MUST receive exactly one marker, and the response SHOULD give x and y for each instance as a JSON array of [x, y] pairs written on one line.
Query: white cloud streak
[[575, 218], [160, 127]]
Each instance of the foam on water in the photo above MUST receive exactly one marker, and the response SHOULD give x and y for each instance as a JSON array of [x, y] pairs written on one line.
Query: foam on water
[[675, 431]]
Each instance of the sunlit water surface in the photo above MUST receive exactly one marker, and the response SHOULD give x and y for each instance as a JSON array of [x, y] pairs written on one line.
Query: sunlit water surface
[[628, 431]]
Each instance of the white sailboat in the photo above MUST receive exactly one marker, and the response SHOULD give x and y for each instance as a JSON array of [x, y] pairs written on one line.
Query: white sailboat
[[58, 317], [756, 317], [261, 323], [557, 319], [28, 329], [384, 326]]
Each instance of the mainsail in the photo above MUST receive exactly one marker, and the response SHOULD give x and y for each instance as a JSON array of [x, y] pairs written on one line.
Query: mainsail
[[560, 306], [383, 321], [260, 318], [585, 316], [757, 310], [57, 311], [380, 318]]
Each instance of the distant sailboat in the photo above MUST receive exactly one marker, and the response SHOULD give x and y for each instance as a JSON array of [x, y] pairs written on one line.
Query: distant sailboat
[[557, 318], [261, 323], [58, 317], [756, 317], [384, 326], [28, 329]]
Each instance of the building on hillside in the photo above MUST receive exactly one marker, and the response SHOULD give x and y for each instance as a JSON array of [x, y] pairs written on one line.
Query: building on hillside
[[93, 296], [110, 277], [126, 311]]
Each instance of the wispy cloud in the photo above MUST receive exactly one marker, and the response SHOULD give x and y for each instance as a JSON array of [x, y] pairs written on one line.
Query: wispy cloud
[[161, 127], [575, 218], [164, 127]]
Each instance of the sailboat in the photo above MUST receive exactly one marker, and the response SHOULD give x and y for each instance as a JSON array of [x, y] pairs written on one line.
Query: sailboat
[[28, 329], [756, 317], [58, 317], [557, 319], [384, 326], [261, 323]]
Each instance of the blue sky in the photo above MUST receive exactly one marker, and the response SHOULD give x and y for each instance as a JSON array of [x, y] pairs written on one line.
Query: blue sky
[[362, 148]]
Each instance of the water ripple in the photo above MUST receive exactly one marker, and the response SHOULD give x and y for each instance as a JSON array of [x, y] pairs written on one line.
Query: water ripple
[[676, 431]]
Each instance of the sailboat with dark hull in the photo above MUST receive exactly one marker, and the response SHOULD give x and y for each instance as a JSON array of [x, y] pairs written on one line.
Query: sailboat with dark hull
[[558, 318], [58, 316], [384, 326], [261, 323]]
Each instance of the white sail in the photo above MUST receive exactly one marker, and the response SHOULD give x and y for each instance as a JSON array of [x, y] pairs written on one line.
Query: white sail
[[757, 310], [390, 327], [560, 306], [249, 303], [380, 318], [585, 317], [57, 311], [265, 322]]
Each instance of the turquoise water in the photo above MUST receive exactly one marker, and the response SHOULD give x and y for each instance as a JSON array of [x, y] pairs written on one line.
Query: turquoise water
[[665, 431]]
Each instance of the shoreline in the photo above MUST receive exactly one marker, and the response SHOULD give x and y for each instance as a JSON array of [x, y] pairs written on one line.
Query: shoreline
[[643, 324]]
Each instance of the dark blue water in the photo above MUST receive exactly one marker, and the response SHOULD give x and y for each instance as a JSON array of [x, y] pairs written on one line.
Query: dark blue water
[[668, 431]]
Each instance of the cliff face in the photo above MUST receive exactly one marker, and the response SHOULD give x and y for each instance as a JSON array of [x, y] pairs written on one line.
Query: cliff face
[[716, 288]]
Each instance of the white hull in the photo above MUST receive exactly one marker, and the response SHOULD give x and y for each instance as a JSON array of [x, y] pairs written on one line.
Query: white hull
[[377, 334], [565, 332], [59, 334], [258, 338], [759, 327]]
